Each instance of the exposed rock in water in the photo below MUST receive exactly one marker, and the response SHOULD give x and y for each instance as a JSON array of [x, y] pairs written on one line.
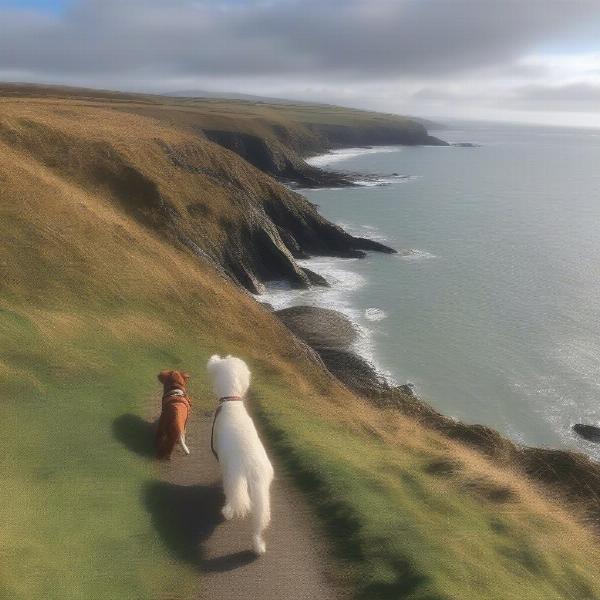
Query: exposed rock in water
[[319, 327], [591, 433], [280, 153], [568, 476], [315, 278], [331, 334]]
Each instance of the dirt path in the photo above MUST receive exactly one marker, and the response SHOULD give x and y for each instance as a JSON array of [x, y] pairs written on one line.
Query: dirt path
[[185, 508]]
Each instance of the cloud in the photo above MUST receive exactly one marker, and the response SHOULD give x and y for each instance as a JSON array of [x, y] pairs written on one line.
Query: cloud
[[578, 97], [344, 39], [436, 57]]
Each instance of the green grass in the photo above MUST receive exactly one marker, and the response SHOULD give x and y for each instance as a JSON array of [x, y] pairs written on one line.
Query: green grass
[[93, 305], [405, 531], [74, 500], [73, 521]]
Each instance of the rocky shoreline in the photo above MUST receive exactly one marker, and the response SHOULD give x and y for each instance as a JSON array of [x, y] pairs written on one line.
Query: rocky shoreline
[[332, 335], [567, 476], [284, 156]]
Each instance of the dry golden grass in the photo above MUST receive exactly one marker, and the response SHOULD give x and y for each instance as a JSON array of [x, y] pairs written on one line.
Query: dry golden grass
[[94, 302]]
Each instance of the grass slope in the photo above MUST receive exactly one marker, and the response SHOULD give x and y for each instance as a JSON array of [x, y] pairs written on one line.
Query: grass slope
[[238, 114], [93, 304], [284, 132]]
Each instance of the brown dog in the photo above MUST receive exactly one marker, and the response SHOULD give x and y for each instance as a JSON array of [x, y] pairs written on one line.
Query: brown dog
[[176, 407]]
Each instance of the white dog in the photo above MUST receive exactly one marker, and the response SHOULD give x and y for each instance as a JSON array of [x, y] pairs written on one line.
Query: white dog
[[247, 472]]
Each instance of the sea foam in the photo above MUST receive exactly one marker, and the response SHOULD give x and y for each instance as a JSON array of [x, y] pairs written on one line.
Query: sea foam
[[339, 296], [415, 254], [322, 160], [374, 314]]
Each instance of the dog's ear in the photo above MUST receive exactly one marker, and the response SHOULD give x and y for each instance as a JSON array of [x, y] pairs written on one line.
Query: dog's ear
[[212, 361], [162, 376]]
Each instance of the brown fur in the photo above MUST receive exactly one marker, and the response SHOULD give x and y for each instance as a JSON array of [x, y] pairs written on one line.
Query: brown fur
[[174, 415]]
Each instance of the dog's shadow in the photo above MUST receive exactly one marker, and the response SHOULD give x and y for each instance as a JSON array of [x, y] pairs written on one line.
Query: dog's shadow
[[135, 433], [185, 517]]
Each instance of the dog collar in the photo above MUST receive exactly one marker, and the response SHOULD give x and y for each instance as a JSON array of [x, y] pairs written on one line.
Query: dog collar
[[229, 399], [174, 392]]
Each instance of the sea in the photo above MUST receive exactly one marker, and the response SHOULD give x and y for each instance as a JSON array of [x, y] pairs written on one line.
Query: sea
[[491, 308]]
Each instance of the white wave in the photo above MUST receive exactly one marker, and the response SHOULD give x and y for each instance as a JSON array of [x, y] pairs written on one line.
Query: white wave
[[366, 231], [342, 281], [374, 181], [374, 314], [383, 181], [415, 254], [338, 297], [581, 356], [322, 160]]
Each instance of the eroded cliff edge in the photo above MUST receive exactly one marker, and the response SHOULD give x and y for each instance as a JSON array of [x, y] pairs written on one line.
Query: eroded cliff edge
[[566, 475], [197, 194], [281, 151]]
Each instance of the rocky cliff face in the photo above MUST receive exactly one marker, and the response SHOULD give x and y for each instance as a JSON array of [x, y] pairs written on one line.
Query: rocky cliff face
[[273, 157], [567, 476], [195, 193], [272, 227], [281, 153]]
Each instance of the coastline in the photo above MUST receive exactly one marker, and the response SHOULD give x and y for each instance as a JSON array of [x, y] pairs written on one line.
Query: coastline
[[336, 297], [567, 475], [324, 163], [142, 242]]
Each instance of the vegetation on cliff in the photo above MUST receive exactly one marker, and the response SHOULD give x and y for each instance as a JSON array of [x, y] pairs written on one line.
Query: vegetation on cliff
[[97, 294], [190, 190], [275, 138]]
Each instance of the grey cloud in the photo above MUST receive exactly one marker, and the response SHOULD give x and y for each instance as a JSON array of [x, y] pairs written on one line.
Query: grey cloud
[[296, 39], [578, 97]]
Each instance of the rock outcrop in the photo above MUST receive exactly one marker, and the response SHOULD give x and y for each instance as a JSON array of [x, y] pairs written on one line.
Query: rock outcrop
[[281, 153], [332, 335], [568, 476]]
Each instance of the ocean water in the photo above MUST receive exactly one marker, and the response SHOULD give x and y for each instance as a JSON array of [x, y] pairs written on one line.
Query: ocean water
[[492, 306]]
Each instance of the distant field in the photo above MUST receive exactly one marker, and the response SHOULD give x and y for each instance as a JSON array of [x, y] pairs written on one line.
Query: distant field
[[285, 128], [237, 109]]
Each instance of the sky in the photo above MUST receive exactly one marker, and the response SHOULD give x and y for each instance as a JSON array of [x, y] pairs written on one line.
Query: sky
[[535, 61]]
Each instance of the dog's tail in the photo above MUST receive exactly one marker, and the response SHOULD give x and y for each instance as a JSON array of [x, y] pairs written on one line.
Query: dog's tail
[[261, 510], [236, 492]]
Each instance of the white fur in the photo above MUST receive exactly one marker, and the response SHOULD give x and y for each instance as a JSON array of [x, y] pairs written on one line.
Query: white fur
[[183, 444], [247, 472]]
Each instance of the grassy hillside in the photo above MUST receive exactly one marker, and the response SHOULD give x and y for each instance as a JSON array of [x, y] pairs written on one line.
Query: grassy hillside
[[231, 114], [95, 299], [190, 190], [272, 137]]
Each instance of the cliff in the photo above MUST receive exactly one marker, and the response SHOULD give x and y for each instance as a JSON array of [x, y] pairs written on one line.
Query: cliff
[[194, 192], [281, 152], [275, 138], [116, 231]]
